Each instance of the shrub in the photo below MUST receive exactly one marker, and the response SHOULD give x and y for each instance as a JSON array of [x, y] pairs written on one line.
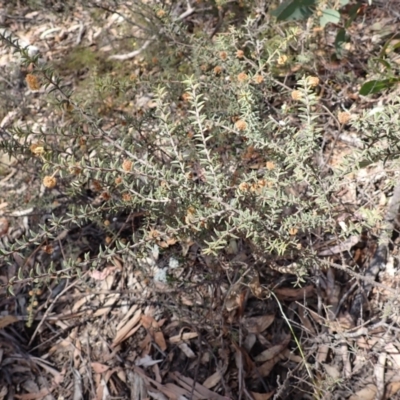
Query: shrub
[[210, 147]]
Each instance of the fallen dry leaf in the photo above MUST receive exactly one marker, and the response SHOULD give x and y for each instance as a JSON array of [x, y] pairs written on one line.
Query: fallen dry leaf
[[77, 353], [290, 294], [99, 368], [146, 361], [106, 308], [391, 389], [127, 330], [154, 330], [305, 320], [286, 353], [367, 393], [33, 396], [322, 353], [4, 225], [157, 395], [242, 358], [258, 324], [212, 380], [7, 320], [101, 275], [202, 392], [262, 396], [273, 351], [183, 337], [332, 371], [266, 368], [81, 302], [101, 391], [175, 392], [186, 350], [127, 316]]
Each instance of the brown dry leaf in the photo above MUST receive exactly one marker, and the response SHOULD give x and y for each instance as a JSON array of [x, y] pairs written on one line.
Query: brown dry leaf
[[146, 361], [258, 324], [347, 368], [168, 242], [81, 302], [265, 369], [366, 343], [33, 396], [154, 329], [119, 372], [171, 390], [391, 389], [101, 275], [343, 323], [322, 353], [99, 368], [57, 376], [127, 317], [367, 393], [64, 344], [4, 225], [290, 294], [286, 353], [258, 165], [107, 283], [242, 299], [183, 337], [273, 351], [3, 392], [332, 371], [212, 380], [157, 396], [106, 308], [200, 391], [233, 297], [7, 320], [262, 396], [305, 320], [77, 353], [379, 373], [242, 358], [186, 350], [101, 388], [127, 330]]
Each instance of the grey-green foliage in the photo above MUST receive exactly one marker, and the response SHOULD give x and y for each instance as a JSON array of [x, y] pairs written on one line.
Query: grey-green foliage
[[207, 154]]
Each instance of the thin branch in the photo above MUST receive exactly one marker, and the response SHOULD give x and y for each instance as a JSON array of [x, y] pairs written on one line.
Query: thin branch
[[133, 54]]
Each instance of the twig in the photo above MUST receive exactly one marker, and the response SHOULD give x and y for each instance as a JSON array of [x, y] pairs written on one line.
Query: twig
[[379, 372], [132, 54], [190, 10], [81, 32]]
